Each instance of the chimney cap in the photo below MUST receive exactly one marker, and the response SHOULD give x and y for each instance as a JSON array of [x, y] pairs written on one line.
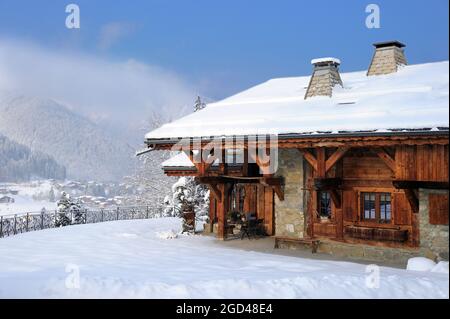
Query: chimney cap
[[325, 61], [385, 44]]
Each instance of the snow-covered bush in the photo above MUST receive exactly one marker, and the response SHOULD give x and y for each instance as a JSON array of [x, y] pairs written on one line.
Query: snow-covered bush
[[188, 196], [69, 211]]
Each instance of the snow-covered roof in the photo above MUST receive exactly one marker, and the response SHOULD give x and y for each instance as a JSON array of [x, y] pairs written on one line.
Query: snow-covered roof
[[416, 97], [178, 160]]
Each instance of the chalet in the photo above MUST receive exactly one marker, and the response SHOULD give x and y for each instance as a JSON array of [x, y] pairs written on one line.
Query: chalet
[[6, 200], [358, 162]]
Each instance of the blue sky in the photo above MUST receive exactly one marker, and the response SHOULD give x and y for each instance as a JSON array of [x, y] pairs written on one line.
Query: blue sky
[[221, 47]]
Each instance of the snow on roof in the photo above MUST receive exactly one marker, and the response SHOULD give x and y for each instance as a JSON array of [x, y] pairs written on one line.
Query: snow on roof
[[416, 97], [179, 160], [324, 60]]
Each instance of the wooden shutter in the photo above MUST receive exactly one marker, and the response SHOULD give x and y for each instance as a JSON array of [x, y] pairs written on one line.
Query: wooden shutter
[[438, 209], [350, 205], [401, 209]]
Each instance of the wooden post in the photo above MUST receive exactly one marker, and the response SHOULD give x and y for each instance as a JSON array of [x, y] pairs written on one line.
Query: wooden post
[[245, 164], [321, 162], [222, 209]]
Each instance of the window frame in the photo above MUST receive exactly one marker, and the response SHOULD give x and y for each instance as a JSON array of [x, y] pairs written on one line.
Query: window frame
[[319, 205], [377, 207]]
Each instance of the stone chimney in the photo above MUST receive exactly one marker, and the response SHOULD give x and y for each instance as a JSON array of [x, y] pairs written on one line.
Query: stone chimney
[[325, 77], [387, 58]]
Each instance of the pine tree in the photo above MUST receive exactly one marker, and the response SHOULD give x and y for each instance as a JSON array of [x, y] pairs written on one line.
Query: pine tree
[[199, 105], [77, 212], [69, 211], [63, 216]]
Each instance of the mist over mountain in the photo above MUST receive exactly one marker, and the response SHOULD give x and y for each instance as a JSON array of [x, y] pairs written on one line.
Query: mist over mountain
[[87, 151], [18, 163]]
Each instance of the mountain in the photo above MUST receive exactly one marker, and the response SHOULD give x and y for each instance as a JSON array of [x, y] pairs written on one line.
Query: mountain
[[18, 163], [87, 151]]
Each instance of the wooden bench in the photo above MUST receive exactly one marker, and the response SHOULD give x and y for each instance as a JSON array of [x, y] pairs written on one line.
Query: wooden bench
[[313, 243]]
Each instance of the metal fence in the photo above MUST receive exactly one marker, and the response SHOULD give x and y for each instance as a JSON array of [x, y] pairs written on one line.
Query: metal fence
[[22, 223]]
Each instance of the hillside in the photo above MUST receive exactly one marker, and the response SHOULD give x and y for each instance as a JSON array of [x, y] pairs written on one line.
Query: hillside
[[87, 151], [19, 163]]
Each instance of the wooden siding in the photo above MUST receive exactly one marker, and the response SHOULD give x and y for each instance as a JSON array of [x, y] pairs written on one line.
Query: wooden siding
[[438, 209], [422, 163], [371, 167]]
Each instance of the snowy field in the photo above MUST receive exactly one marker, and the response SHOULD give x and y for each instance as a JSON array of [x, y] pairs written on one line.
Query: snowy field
[[31, 197], [145, 259]]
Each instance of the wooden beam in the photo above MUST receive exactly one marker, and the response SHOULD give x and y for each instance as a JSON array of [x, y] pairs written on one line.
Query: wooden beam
[[340, 152], [222, 164], [309, 158], [215, 191], [342, 141], [412, 199], [336, 198], [406, 184], [279, 191], [388, 160], [245, 164], [321, 162], [324, 184]]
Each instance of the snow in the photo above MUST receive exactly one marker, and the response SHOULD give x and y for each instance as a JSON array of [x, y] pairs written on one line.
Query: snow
[[415, 97], [420, 264], [321, 60], [128, 259], [31, 197], [167, 234], [178, 160], [441, 267]]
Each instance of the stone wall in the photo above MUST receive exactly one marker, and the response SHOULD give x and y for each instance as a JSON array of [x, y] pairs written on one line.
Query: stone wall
[[289, 214], [433, 238]]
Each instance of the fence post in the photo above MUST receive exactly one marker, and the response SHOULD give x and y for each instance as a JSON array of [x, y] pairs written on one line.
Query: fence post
[[102, 214], [28, 217], [117, 217], [15, 224], [146, 213], [55, 218], [42, 220], [1, 226]]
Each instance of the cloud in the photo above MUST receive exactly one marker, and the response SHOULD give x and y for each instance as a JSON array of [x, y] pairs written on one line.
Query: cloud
[[123, 93], [112, 33]]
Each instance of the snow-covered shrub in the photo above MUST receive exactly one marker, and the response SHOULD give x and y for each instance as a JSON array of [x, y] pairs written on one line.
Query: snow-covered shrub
[[188, 196], [69, 211]]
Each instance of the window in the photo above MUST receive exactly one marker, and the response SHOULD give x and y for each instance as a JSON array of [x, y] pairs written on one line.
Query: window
[[385, 208], [376, 207], [324, 204]]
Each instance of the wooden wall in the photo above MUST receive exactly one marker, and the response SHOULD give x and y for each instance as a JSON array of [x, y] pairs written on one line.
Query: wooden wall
[[362, 170], [422, 163]]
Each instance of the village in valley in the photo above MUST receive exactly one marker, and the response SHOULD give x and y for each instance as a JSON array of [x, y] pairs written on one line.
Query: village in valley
[[324, 176]]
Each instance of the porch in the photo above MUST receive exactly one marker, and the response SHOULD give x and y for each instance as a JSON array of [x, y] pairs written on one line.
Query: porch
[[266, 245]]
